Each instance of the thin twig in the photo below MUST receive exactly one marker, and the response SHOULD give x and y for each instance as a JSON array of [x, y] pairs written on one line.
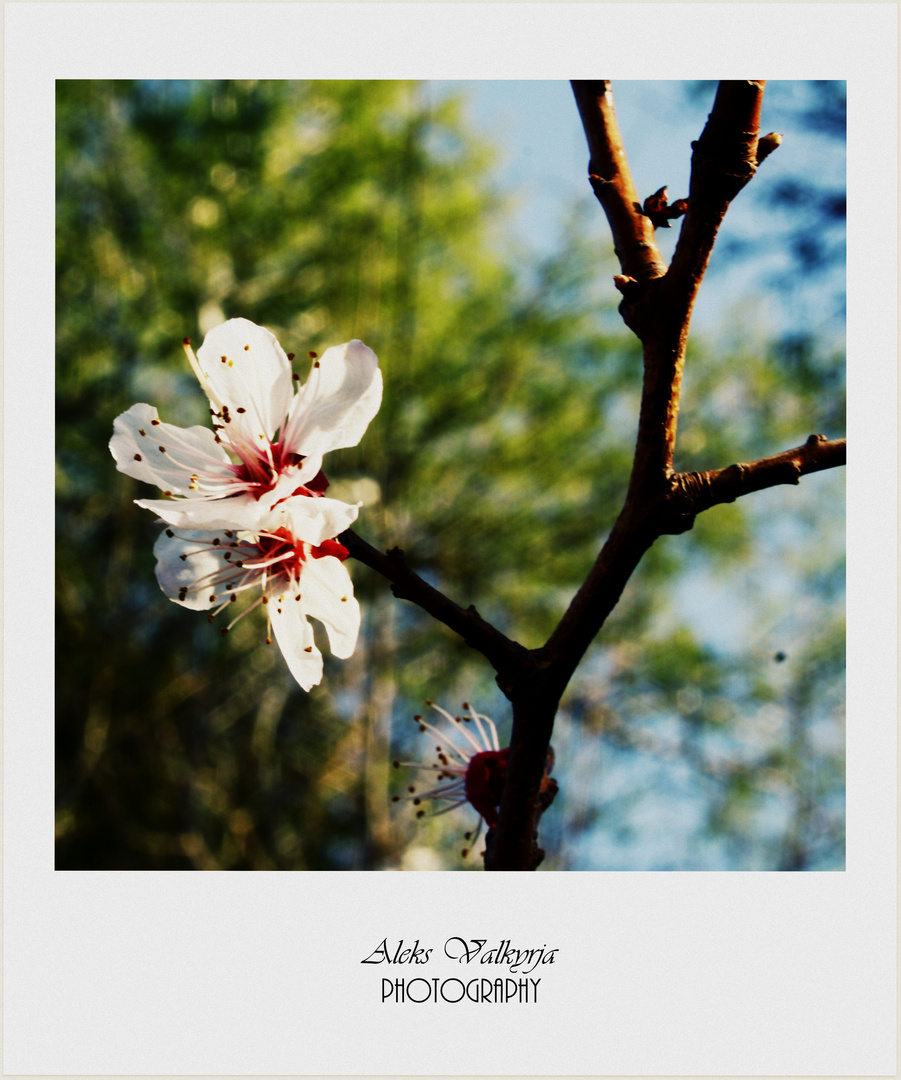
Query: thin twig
[[611, 181], [502, 653], [697, 491]]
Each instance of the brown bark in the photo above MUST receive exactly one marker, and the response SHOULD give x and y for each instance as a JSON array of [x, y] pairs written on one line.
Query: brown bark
[[611, 180], [657, 305]]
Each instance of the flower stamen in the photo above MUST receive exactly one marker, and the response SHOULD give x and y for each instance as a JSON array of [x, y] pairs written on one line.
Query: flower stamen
[[473, 775]]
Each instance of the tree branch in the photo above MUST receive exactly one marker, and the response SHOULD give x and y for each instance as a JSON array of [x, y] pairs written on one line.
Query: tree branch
[[723, 161], [657, 306], [513, 843], [507, 657], [695, 492], [658, 309], [599, 594], [637, 528], [611, 180]]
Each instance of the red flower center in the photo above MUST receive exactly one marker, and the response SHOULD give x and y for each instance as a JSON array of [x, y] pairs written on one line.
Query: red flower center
[[282, 548], [484, 781], [262, 477]]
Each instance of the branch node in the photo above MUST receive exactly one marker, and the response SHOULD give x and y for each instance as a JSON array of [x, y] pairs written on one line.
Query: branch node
[[740, 470], [628, 286]]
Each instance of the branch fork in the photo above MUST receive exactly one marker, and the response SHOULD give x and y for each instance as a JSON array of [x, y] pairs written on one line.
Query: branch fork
[[657, 305]]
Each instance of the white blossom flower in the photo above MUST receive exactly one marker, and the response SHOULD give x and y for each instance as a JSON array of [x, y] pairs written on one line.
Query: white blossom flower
[[208, 570], [278, 437], [470, 761]]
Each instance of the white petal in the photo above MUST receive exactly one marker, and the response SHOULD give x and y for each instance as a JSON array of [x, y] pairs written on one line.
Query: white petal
[[315, 520], [308, 518], [164, 454], [292, 479], [189, 562], [295, 638], [327, 594], [339, 399], [253, 380], [240, 512]]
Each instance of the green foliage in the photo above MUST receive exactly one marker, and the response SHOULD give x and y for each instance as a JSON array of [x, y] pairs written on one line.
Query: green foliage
[[326, 211]]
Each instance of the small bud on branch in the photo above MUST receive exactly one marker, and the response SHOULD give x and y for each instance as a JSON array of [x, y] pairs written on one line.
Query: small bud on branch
[[660, 211], [767, 144]]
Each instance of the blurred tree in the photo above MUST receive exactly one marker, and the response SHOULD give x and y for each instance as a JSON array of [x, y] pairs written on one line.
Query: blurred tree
[[327, 211]]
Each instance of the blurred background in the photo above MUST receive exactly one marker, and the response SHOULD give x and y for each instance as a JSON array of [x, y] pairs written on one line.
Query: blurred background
[[451, 227]]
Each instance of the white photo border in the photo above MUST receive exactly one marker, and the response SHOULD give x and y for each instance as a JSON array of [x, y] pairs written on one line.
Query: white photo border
[[261, 974]]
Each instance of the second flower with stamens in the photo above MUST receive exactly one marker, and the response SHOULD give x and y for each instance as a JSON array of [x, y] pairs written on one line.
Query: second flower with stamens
[[470, 765], [208, 570]]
